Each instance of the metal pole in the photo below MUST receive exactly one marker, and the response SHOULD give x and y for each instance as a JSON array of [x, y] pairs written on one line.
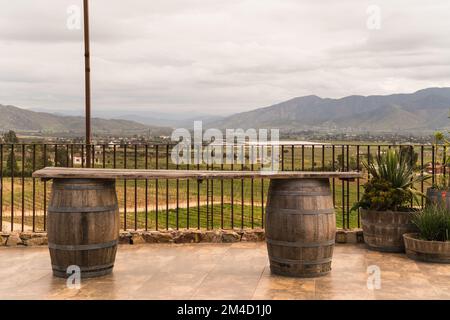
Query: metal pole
[[87, 83]]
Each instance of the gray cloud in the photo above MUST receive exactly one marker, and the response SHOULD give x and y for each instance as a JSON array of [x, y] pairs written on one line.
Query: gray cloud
[[219, 56]]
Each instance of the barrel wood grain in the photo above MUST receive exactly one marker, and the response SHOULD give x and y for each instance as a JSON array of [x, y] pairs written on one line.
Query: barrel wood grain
[[428, 251], [83, 226], [384, 230], [301, 227]]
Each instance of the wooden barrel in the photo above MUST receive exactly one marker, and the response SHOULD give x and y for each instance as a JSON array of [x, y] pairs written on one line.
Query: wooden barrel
[[428, 251], [300, 227], [383, 230], [83, 226], [438, 197]]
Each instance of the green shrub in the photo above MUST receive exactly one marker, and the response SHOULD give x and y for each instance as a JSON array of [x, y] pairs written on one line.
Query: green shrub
[[433, 223], [391, 186]]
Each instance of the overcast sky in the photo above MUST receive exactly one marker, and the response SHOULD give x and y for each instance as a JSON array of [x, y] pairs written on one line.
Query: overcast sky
[[219, 56]]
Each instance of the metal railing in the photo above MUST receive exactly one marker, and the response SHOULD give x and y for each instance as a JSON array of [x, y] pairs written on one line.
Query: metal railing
[[182, 203]]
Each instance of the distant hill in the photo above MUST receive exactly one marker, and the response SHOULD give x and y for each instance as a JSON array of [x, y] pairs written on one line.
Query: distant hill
[[170, 120], [423, 111], [22, 120]]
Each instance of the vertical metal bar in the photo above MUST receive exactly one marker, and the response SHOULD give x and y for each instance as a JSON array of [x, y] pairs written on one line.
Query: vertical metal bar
[[358, 192], [104, 156], [343, 186], [34, 188], [312, 158], [188, 194], [444, 158], [212, 203], [421, 173], [44, 155], [23, 187], [114, 156], [242, 192], [125, 188], [87, 78], [56, 155], [93, 156], [82, 156], [67, 155], [333, 181], [135, 188], [71, 154], [348, 189], [262, 203], [221, 198], [303, 157], [232, 190], [156, 187], [178, 194], [252, 185], [207, 202], [432, 165], [323, 157], [262, 187], [146, 188], [282, 158], [411, 163], [292, 158], [167, 188], [1, 187], [198, 204], [232, 203], [12, 186], [368, 160]]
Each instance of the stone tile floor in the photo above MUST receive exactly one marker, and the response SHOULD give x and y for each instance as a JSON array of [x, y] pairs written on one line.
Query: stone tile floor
[[221, 271]]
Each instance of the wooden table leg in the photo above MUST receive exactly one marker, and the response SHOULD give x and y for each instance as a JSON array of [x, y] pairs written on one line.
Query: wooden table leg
[[300, 227]]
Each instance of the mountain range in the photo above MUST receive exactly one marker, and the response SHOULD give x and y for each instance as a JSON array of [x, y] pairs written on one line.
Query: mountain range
[[23, 120], [423, 111]]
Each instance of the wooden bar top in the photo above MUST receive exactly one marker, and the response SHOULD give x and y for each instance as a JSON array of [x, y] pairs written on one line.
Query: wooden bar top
[[85, 173]]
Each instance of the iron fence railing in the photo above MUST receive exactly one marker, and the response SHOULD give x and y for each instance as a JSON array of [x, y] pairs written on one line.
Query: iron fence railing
[[180, 203]]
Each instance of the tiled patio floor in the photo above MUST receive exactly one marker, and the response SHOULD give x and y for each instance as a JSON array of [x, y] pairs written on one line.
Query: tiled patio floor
[[221, 271]]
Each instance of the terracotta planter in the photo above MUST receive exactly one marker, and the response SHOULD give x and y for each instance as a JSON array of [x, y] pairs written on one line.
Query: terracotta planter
[[429, 251], [383, 230], [438, 196]]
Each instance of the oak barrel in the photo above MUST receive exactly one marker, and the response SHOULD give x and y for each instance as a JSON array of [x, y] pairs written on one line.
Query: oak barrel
[[83, 226], [300, 227], [383, 230], [428, 251]]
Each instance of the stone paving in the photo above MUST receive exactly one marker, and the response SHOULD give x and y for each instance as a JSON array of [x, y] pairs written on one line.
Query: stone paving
[[221, 271]]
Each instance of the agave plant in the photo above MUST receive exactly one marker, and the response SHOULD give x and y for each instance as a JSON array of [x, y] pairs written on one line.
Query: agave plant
[[392, 182]]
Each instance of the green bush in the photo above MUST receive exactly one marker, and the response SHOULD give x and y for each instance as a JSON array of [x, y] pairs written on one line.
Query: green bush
[[433, 223], [380, 195], [391, 186]]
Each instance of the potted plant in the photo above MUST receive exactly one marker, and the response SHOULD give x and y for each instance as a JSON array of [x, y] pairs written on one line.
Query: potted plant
[[432, 242], [386, 211], [438, 193]]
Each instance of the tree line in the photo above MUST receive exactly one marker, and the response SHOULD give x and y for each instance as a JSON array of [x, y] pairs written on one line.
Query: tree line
[[31, 157]]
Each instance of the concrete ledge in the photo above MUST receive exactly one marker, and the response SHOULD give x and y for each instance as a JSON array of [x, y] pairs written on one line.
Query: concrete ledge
[[173, 236]]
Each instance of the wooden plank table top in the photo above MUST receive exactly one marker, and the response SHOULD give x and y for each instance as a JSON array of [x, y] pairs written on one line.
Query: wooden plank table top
[[85, 173]]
